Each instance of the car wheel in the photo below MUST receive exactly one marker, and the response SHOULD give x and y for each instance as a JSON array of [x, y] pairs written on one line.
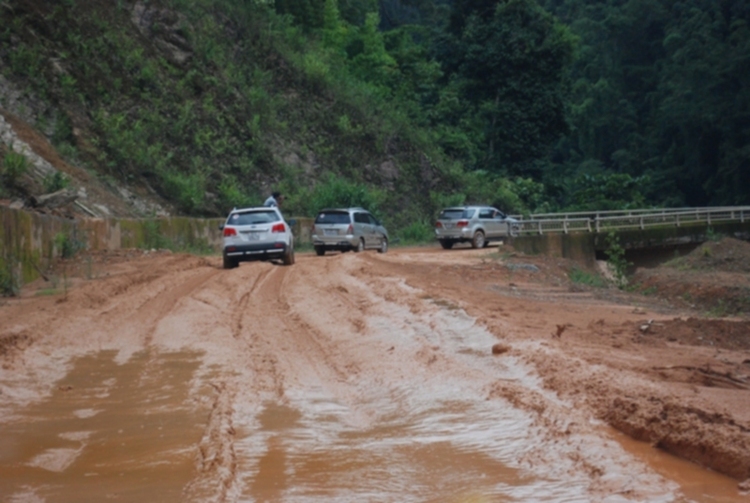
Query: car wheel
[[360, 246], [383, 246], [320, 251], [230, 263], [478, 240], [288, 258], [446, 244]]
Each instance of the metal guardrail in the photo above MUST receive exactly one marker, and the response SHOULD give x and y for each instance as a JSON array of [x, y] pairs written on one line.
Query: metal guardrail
[[603, 221]]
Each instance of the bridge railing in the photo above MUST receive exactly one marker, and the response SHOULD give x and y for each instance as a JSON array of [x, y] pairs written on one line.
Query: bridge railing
[[603, 221]]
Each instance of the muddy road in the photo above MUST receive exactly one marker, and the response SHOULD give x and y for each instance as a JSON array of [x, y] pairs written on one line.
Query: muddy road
[[420, 375]]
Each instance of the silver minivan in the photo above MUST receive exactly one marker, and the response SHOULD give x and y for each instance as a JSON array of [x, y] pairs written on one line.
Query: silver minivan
[[477, 225], [345, 229]]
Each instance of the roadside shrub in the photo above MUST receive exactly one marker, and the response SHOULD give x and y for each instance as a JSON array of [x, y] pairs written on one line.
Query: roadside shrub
[[616, 259], [67, 245], [582, 277], [416, 232]]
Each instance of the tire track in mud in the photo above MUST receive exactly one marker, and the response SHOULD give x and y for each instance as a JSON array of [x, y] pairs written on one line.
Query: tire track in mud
[[216, 465], [259, 323], [276, 335], [157, 308]]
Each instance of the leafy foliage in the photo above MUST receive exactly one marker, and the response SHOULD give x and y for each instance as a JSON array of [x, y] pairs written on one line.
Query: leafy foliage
[[13, 167], [399, 105]]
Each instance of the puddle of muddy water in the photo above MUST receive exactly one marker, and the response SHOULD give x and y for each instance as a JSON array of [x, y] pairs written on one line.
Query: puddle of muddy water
[[698, 484], [109, 431]]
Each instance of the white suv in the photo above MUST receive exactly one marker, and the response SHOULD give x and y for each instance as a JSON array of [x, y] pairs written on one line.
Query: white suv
[[256, 234], [347, 229]]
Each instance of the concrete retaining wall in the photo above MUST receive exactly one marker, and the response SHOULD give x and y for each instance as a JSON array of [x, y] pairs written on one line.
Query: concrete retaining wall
[[30, 241]]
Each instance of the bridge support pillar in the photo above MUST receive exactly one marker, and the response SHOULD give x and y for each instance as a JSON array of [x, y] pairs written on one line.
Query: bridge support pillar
[[579, 246]]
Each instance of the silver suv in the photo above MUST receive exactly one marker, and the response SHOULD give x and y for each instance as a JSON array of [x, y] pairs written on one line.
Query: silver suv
[[347, 229], [477, 225], [256, 234]]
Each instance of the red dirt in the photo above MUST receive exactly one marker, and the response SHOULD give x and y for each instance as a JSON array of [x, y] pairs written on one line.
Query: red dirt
[[659, 372]]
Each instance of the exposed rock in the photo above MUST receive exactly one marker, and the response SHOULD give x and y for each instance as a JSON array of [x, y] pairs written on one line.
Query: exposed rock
[[164, 27], [55, 199], [522, 267]]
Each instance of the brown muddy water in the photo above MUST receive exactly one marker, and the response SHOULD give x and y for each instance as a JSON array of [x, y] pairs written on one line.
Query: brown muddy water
[[108, 432], [129, 432]]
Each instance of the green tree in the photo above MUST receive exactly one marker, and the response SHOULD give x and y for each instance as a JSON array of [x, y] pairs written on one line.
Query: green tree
[[511, 57]]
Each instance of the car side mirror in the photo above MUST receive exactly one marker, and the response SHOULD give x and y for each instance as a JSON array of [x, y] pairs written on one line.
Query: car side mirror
[[221, 227]]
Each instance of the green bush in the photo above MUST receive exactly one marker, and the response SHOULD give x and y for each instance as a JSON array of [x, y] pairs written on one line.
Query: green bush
[[582, 277], [67, 245], [336, 192], [55, 182], [416, 233], [14, 166], [616, 259]]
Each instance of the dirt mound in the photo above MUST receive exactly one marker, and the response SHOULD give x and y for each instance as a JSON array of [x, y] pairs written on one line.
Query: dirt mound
[[728, 254], [714, 278]]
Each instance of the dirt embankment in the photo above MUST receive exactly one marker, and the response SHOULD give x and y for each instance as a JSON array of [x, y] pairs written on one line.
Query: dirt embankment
[[658, 370], [395, 351]]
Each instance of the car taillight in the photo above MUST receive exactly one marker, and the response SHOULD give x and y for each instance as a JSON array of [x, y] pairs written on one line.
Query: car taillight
[[462, 223], [230, 231], [350, 230], [438, 225], [278, 228]]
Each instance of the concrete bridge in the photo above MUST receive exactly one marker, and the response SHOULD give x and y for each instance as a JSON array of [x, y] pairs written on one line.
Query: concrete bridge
[[583, 235]]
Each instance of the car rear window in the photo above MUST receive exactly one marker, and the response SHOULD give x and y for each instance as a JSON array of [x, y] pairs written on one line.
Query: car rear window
[[333, 217], [253, 217], [455, 214]]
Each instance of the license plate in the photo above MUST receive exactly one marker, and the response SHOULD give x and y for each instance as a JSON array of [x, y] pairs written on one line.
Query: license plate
[[252, 236], [330, 232]]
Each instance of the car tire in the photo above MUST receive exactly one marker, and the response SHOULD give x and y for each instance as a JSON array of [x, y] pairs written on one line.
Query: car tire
[[360, 246], [478, 240], [230, 263], [383, 246], [447, 244], [288, 258], [320, 251]]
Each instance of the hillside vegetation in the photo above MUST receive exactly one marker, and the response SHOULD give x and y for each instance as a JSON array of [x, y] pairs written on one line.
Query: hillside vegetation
[[401, 106]]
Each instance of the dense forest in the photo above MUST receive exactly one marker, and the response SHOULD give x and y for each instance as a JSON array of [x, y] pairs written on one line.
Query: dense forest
[[400, 105]]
